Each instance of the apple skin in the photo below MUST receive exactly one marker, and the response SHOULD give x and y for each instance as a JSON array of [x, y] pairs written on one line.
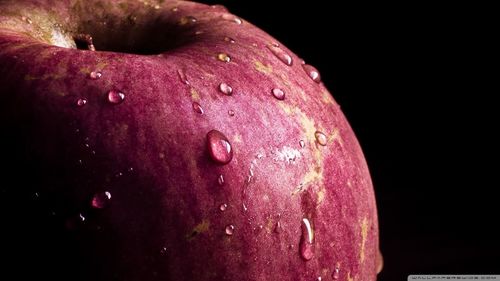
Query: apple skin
[[148, 148]]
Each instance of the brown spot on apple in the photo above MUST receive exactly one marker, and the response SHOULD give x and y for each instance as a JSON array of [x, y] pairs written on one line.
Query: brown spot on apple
[[266, 69], [203, 226]]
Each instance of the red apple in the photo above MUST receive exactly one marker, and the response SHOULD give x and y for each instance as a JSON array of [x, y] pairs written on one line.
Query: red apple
[[173, 140]]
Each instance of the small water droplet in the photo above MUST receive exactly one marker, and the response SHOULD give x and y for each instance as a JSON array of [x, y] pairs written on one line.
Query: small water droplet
[[219, 148], [156, 7], [237, 20], [230, 112], [163, 251], [130, 169], [182, 76], [307, 240], [336, 273], [229, 230], [219, 7], [245, 208], [224, 57], [278, 228], [197, 108], [312, 72], [75, 222], [94, 75], [281, 54], [81, 102], [223, 207], [229, 39], [116, 96], [278, 94], [225, 89], [199, 32], [101, 200], [174, 9], [321, 138], [302, 144], [319, 278], [27, 19], [187, 20], [220, 180]]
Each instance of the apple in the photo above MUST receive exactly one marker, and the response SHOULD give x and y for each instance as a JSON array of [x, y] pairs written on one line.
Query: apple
[[172, 140]]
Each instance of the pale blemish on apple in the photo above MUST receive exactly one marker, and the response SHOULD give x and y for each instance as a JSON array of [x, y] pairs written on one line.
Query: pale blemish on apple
[[260, 67], [335, 137], [285, 80], [321, 195], [349, 277], [364, 234], [269, 225], [327, 98], [195, 96], [237, 138]]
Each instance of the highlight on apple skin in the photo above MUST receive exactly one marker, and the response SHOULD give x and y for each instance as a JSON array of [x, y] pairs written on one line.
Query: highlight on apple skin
[[172, 140]]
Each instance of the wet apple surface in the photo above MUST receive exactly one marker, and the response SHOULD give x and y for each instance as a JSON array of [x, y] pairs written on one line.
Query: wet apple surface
[[173, 140]]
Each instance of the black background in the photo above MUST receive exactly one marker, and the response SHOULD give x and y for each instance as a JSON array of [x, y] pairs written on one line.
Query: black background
[[412, 79]]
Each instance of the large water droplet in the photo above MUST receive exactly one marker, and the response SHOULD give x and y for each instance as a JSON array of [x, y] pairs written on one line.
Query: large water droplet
[[101, 200], [220, 180], [281, 55], [81, 102], [182, 76], [229, 230], [230, 112], [219, 148], [223, 57], [116, 96], [321, 138], [302, 144], [223, 207], [278, 94], [225, 89], [94, 75], [312, 72], [307, 240], [197, 108], [232, 18], [380, 262], [187, 20]]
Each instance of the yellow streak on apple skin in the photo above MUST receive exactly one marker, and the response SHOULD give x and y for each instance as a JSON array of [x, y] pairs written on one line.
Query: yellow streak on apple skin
[[237, 138], [203, 226], [364, 234], [315, 173], [269, 225], [266, 69], [335, 136], [195, 96], [327, 98], [321, 195], [349, 277]]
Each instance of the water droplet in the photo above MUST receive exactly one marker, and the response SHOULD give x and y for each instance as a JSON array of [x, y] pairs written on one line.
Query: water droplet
[[278, 94], [174, 9], [219, 148], [75, 222], [321, 138], [278, 228], [307, 240], [312, 72], [380, 262], [245, 208], [220, 180], [101, 200], [27, 19], [229, 230], [302, 144], [336, 273], [115, 96], [225, 89], [230, 112], [281, 55], [163, 251], [232, 18], [94, 75], [224, 57], [187, 20], [229, 39], [219, 7], [223, 207], [319, 278], [156, 7], [81, 102], [182, 76], [199, 32], [197, 108]]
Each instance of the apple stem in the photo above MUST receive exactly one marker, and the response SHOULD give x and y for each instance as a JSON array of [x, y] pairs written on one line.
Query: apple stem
[[84, 41]]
